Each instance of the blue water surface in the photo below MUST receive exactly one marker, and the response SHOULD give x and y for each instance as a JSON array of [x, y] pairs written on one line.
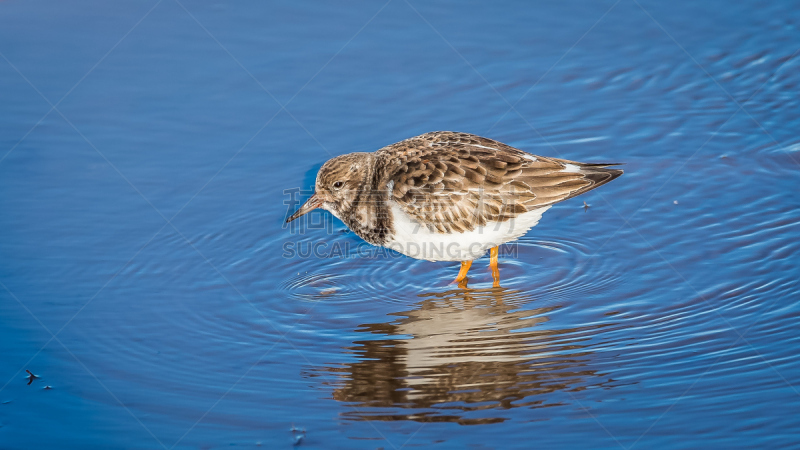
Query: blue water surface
[[150, 151]]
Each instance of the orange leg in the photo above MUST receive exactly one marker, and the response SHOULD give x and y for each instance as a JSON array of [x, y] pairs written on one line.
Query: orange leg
[[462, 274], [493, 265]]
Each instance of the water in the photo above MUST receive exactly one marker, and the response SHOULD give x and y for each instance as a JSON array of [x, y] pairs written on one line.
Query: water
[[664, 315]]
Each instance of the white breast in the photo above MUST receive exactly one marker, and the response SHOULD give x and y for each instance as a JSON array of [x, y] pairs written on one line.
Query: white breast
[[417, 241]]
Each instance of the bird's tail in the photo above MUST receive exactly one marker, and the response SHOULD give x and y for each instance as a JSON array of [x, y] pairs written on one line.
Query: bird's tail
[[597, 173]]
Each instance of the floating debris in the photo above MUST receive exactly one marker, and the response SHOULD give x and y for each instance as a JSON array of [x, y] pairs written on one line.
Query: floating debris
[[297, 435], [675, 202], [31, 376]]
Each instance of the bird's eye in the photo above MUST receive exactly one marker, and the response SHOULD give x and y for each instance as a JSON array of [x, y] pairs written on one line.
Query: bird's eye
[[338, 184]]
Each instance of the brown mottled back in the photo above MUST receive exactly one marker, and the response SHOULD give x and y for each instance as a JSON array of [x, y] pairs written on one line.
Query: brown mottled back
[[457, 181]]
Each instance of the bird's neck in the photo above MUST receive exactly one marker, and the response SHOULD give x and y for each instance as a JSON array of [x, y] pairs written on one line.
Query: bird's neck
[[369, 215]]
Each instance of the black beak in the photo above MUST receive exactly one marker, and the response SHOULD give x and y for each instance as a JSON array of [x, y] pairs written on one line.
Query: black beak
[[312, 203]]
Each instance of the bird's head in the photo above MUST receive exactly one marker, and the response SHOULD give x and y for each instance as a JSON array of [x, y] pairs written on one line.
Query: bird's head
[[339, 181]]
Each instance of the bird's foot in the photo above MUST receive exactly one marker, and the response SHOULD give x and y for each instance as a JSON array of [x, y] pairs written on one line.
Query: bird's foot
[[493, 253]]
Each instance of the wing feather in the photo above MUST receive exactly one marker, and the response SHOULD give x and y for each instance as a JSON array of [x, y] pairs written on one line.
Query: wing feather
[[455, 182]]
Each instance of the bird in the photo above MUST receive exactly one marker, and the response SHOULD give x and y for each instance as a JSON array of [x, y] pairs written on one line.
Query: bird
[[448, 196]]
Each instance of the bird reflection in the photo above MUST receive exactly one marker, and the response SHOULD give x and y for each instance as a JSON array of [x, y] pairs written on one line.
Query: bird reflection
[[462, 354]]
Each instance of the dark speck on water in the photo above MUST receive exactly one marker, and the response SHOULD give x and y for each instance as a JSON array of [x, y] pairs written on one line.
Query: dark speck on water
[[142, 223], [298, 434]]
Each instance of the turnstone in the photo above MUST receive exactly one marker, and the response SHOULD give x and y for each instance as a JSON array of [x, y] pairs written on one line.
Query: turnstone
[[447, 196]]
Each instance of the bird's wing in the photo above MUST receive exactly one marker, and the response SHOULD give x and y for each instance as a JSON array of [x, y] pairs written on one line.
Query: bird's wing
[[455, 182]]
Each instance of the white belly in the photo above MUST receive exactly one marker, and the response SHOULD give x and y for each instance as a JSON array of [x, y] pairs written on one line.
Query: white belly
[[415, 240]]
